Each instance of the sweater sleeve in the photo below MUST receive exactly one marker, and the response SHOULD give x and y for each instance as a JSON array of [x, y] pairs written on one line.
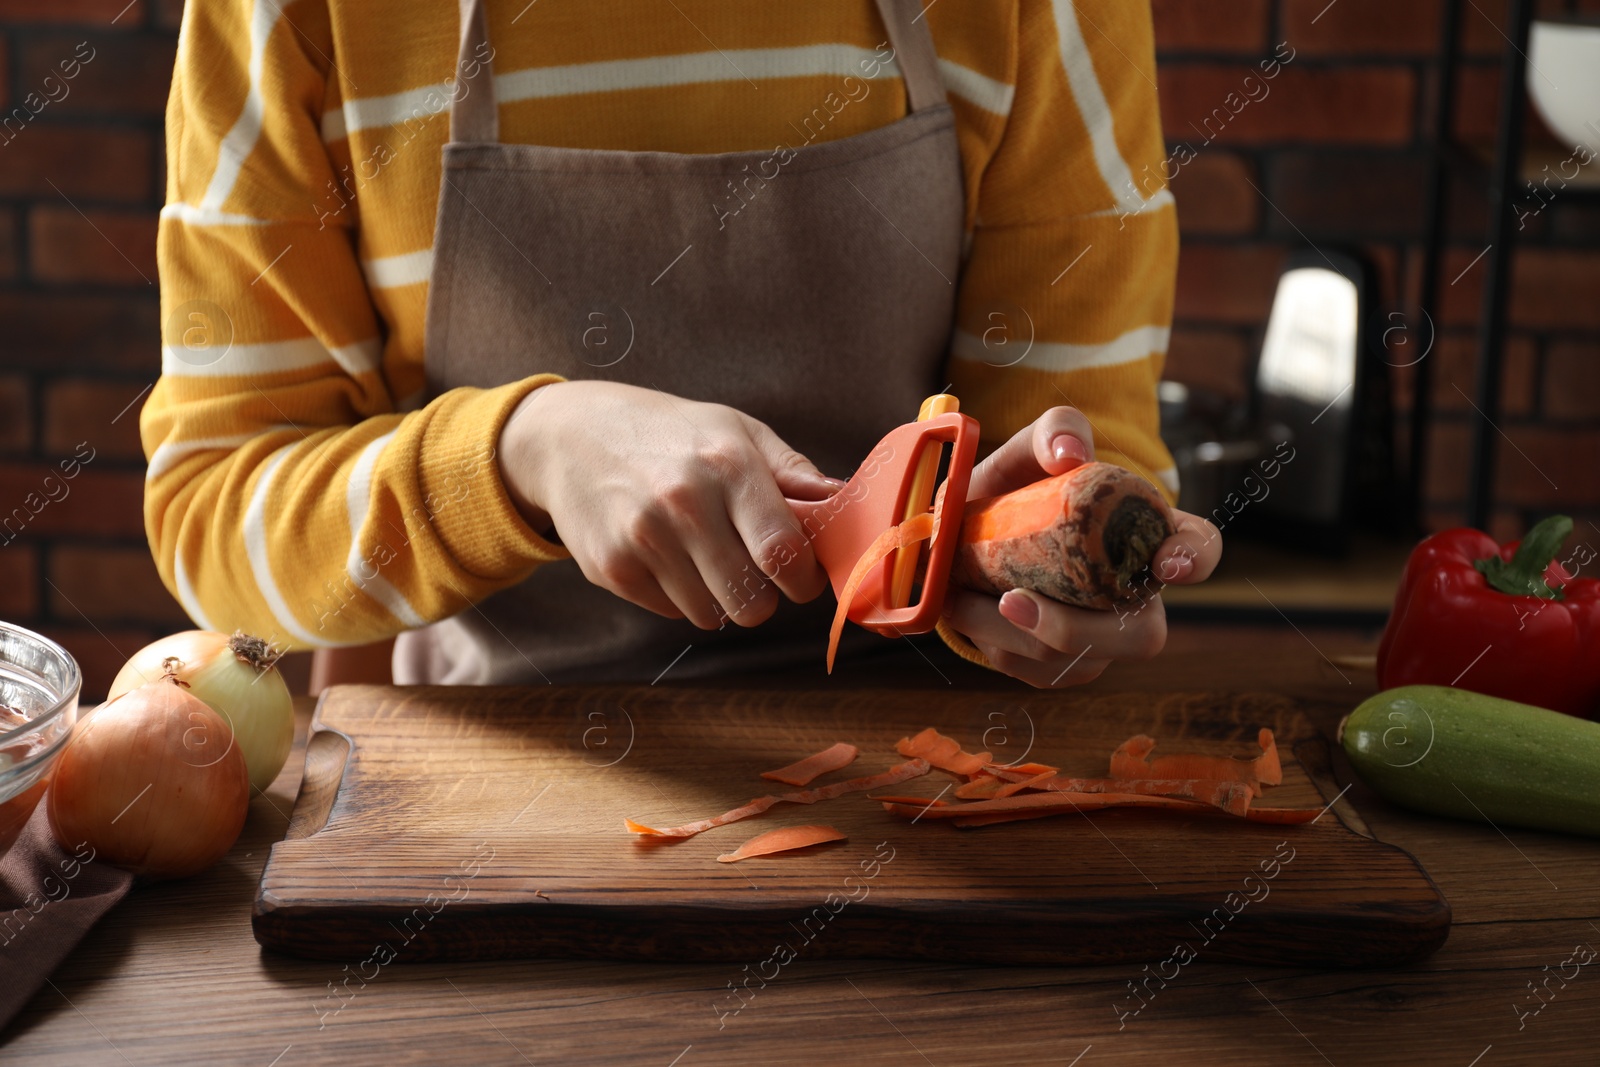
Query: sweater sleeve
[[1066, 296], [285, 494]]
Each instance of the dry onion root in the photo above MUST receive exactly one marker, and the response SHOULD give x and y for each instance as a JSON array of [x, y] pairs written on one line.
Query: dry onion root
[[153, 780]]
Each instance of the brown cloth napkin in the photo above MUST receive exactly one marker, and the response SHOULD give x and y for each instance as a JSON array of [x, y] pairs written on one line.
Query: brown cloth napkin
[[48, 900]]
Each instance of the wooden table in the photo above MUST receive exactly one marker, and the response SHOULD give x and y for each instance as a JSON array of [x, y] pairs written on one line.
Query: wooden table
[[172, 975]]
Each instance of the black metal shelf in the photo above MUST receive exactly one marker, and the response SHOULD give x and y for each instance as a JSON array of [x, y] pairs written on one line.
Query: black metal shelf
[[1512, 166]]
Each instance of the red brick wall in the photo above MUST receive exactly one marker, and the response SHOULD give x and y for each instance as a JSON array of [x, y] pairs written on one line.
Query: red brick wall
[[1335, 146], [80, 184], [1336, 153]]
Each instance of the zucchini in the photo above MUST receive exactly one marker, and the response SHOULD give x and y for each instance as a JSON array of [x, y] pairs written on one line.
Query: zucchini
[[1469, 756]]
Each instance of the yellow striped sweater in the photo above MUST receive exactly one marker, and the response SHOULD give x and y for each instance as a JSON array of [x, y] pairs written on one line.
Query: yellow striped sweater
[[287, 439]]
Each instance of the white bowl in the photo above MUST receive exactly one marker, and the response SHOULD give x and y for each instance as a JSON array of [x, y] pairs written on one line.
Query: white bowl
[[1564, 80]]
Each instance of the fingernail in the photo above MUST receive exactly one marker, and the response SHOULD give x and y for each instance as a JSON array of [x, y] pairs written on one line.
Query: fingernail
[[1067, 447], [1020, 608], [1175, 568]]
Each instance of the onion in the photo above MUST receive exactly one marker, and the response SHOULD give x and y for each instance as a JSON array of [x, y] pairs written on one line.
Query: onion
[[236, 677], [152, 781]]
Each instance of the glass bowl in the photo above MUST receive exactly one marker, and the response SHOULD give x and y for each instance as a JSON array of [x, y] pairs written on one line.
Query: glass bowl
[[39, 685]]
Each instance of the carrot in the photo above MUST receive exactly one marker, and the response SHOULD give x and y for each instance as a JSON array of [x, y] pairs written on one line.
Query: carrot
[[1084, 537], [1131, 760], [893, 776], [913, 531], [942, 752], [783, 839], [804, 772], [924, 801]]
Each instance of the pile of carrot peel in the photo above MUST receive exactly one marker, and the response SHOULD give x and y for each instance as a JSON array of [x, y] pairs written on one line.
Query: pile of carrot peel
[[988, 793], [994, 793]]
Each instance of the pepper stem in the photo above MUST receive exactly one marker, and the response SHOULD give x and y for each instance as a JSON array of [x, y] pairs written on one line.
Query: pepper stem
[[1524, 575]]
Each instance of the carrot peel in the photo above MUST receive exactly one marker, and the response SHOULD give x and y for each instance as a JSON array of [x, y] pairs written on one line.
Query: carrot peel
[[783, 839], [1051, 801], [942, 752], [913, 531], [980, 787], [1268, 768], [1232, 797], [806, 771], [1016, 772], [993, 793], [912, 768], [1036, 782], [1132, 760]]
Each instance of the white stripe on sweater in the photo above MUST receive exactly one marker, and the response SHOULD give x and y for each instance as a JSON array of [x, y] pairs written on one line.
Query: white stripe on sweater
[[656, 72], [204, 216], [186, 595], [269, 357], [394, 272], [1096, 112], [1056, 356], [169, 454], [256, 551], [357, 502], [975, 88], [240, 141]]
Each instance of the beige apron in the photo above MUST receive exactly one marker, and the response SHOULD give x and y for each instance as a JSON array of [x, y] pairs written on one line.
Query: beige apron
[[812, 287]]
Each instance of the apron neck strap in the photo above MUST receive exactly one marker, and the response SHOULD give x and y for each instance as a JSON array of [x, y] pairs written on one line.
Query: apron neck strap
[[475, 117], [914, 54]]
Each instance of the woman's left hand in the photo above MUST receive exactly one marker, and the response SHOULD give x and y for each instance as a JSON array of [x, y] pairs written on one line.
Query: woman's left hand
[[1048, 644]]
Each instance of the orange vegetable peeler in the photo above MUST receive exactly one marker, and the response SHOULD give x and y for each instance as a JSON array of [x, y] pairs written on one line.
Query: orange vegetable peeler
[[868, 535]]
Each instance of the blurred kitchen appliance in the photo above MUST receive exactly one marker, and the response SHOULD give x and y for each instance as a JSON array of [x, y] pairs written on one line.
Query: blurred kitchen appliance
[[1564, 82], [1310, 454], [1213, 442], [1306, 380]]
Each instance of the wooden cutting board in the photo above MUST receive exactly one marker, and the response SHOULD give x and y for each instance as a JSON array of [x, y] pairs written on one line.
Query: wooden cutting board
[[469, 824]]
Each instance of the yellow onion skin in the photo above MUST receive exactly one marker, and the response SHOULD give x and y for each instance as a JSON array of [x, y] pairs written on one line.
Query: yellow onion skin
[[153, 781], [262, 721]]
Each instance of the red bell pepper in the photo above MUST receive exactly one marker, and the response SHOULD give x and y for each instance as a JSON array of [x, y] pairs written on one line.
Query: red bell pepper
[[1507, 620]]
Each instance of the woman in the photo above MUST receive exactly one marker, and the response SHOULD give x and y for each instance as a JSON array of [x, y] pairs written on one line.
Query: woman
[[533, 402]]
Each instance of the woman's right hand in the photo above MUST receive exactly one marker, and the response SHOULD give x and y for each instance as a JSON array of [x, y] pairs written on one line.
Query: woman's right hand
[[675, 505]]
